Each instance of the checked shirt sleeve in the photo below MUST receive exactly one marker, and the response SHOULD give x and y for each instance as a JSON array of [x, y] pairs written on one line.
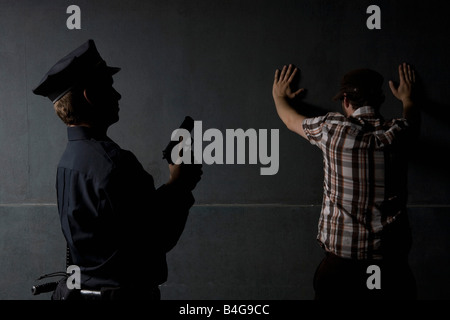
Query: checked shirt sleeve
[[313, 129]]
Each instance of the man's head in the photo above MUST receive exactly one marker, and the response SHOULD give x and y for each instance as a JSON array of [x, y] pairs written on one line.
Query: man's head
[[80, 87], [361, 87]]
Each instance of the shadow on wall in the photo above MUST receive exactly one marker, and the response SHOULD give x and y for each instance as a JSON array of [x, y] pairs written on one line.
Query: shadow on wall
[[429, 163], [306, 109]]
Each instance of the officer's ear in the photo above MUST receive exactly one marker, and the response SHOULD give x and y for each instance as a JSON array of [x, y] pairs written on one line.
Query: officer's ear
[[87, 95]]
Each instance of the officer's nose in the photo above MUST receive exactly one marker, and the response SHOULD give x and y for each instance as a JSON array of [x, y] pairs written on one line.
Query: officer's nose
[[116, 95]]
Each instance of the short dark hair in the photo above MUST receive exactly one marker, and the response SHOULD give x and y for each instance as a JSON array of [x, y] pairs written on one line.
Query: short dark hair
[[361, 100], [362, 87]]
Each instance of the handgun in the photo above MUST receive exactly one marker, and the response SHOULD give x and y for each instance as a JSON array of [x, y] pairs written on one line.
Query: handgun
[[188, 124]]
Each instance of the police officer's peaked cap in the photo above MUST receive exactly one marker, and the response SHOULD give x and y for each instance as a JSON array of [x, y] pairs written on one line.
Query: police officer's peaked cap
[[78, 67]]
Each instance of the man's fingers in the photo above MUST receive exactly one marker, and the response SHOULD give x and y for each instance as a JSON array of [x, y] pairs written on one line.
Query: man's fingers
[[288, 73], [285, 75], [283, 79], [407, 72], [292, 75], [393, 88], [411, 73], [283, 72], [296, 93], [401, 74], [277, 73]]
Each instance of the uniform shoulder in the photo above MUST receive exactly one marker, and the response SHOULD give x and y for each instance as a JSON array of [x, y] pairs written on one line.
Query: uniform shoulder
[[93, 157]]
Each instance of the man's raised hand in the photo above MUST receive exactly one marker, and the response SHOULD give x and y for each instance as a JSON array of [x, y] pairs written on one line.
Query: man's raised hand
[[282, 83]]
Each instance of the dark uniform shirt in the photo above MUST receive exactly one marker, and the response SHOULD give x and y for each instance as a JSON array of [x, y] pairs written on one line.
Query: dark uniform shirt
[[118, 227]]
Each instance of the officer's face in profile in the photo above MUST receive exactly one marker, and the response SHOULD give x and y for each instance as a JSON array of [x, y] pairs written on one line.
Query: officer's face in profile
[[102, 95]]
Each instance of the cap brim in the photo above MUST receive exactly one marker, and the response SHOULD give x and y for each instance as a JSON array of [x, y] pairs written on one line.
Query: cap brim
[[338, 96]]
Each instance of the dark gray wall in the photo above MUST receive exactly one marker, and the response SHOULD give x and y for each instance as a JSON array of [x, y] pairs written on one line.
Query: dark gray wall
[[249, 236]]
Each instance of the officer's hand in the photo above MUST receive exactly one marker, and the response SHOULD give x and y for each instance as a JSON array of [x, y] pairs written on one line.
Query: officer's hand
[[174, 170], [185, 175]]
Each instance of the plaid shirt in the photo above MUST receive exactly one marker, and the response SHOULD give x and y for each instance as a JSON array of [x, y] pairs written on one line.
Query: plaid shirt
[[364, 180]]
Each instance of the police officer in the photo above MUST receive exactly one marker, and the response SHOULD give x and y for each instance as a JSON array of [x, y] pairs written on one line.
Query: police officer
[[117, 225]]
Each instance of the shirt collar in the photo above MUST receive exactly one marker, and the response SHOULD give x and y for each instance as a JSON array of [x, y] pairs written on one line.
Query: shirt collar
[[84, 133], [364, 112]]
